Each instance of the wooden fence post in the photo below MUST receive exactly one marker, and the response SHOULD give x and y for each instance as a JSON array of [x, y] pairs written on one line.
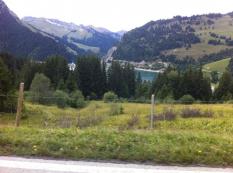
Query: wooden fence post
[[20, 104], [152, 111]]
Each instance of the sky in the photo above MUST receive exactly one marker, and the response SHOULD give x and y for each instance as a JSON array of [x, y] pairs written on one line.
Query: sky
[[116, 15]]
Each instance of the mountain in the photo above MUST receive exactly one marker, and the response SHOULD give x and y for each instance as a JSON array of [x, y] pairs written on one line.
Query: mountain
[[202, 38], [23, 41], [87, 38]]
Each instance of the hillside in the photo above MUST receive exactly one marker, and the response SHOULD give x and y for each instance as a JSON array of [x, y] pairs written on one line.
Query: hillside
[[22, 41], [204, 38], [87, 38], [219, 66]]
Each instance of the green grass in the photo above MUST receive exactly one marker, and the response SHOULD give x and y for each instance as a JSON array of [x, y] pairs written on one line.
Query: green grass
[[219, 66], [222, 26], [196, 51], [49, 131]]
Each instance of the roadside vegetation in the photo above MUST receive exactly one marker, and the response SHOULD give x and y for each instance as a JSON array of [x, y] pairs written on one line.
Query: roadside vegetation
[[199, 134]]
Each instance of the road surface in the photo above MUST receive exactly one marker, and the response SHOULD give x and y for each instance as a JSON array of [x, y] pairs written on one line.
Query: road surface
[[22, 165]]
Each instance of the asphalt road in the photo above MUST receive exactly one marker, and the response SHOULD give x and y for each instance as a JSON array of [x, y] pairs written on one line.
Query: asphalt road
[[22, 165]]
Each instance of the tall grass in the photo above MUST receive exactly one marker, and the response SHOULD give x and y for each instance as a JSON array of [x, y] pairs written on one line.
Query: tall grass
[[94, 133]]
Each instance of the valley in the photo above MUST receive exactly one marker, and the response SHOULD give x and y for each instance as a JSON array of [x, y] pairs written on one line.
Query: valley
[[160, 93]]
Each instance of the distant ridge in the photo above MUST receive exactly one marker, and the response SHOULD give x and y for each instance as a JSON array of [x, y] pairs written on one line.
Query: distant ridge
[[78, 37], [203, 38], [22, 41]]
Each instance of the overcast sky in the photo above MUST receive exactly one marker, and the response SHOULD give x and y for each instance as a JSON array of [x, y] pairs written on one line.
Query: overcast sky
[[116, 14]]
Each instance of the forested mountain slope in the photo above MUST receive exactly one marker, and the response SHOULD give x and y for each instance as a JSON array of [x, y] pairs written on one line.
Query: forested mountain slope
[[23, 41], [203, 37]]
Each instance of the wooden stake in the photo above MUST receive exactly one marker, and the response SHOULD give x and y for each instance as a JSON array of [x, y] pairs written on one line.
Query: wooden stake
[[20, 104], [152, 111]]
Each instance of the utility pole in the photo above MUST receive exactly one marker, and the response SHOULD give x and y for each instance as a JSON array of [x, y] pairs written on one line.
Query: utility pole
[[20, 105], [152, 111]]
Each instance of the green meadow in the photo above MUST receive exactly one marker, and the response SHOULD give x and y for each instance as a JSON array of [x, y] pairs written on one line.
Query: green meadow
[[199, 134]]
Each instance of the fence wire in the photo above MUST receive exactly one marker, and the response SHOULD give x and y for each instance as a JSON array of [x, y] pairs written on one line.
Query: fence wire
[[74, 119], [122, 100]]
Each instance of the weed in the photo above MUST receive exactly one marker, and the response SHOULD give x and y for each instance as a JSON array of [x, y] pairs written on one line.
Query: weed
[[88, 120], [116, 109]]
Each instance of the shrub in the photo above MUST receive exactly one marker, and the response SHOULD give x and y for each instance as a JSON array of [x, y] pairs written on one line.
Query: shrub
[[40, 90], [116, 109], [61, 98], [65, 122], [187, 99], [195, 113], [110, 97], [230, 102], [8, 103], [167, 115], [133, 121], [88, 120], [76, 99], [190, 113], [208, 113]]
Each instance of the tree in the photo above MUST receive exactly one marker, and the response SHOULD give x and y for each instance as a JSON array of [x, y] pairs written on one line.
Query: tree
[[7, 99], [29, 69], [56, 69], [61, 98], [214, 77], [40, 90], [225, 88], [90, 76], [143, 90], [121, 79], [129, 77], [187, 99], [230, 67], [110, 97], [116, 81], [174, 84], [61, 85], [71, 84], [76, 99], [13, 65]]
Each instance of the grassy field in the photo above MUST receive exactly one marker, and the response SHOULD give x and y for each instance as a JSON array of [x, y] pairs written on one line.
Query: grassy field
[[197, 50], [121, 131], [222, 26], [219, 66]]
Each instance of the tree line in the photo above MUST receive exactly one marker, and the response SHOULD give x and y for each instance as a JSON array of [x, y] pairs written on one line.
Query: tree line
[[91, 79]]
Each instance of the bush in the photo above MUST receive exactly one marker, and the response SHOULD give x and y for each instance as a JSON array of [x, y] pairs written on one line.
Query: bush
[[65, 122], [89, 120], [133, 121], [195, 113], [208, 113], [76, 99], [190, 113], [40, 90], [187, 99], [116, 109], [8, 103], [167, 115], [110, 97], [230, 102], [61, 98]]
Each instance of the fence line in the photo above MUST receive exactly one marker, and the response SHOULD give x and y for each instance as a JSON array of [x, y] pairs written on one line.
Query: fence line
[[122, 100]]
